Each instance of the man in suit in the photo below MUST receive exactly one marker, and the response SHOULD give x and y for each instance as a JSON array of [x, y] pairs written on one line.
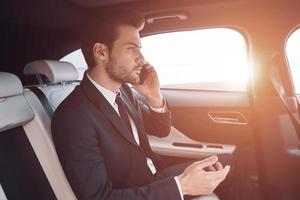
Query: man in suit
[[100, 129]]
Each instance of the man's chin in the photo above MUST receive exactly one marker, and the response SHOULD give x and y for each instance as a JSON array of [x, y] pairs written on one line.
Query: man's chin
[[134, 82]]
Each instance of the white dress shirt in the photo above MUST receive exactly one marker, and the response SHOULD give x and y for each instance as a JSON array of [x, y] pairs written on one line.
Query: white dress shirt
[[111, 98]]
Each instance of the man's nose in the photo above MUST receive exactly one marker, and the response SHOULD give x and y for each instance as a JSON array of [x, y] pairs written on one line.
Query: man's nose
[[140, 59]]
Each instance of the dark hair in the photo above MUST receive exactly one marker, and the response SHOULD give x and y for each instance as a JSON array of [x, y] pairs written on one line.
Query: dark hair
[[104, 29]]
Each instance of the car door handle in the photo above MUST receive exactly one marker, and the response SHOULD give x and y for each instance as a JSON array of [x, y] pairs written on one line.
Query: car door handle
[[228, 118]]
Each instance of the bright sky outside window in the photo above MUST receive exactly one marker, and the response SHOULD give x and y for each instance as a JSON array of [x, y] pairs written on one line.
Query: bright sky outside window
[[199, 56], [77, 59], [293, 55]]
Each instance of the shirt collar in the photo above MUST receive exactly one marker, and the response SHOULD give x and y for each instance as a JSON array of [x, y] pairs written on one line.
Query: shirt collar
[[109, 95]]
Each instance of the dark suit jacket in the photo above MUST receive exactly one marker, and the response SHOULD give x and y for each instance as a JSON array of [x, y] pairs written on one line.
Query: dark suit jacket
[[100, 158]]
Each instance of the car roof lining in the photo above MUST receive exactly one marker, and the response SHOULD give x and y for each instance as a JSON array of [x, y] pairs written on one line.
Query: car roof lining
[[49, 29], [68, 14]]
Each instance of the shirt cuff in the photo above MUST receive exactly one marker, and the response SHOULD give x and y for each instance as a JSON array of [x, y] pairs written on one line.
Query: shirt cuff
[[160, 110], [179, 187]]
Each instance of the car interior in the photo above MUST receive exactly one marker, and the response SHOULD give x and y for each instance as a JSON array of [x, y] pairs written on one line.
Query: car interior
[[256, 125]]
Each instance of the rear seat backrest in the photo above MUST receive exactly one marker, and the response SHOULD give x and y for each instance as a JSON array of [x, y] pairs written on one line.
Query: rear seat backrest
[[23, 111], [61, 76], [17, 179], [15, 111]]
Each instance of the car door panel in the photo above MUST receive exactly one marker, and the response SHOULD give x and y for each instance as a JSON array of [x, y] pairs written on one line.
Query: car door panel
[[208, 117], [198, 128]]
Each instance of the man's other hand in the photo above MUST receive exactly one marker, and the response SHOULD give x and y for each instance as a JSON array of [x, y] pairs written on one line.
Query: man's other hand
[[202, 177]]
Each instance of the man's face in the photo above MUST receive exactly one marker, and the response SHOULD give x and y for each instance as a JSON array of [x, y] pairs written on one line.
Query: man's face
[[125, 61]]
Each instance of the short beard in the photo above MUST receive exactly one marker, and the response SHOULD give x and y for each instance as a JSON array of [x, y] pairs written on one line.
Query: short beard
[[120, 74]]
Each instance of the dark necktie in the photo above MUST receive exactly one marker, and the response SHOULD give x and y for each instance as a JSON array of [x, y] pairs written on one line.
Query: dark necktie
[[125, 119], [123, 113]]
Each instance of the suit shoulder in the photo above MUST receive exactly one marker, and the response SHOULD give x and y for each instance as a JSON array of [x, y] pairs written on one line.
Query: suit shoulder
[[73, 101]]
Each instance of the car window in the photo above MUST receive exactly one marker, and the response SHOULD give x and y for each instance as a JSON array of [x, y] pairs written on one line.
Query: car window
[[77, 59], [209, 59], [293, 56]]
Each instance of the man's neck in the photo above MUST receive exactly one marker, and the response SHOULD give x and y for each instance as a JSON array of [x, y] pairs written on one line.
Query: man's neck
[[102, 79]]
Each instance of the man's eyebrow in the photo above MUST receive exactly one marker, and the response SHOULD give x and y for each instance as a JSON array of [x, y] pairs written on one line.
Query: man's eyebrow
[[134, 44]]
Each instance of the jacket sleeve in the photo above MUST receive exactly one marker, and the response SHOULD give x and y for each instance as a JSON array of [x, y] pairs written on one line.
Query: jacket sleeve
[[78, 149], [155, 123]]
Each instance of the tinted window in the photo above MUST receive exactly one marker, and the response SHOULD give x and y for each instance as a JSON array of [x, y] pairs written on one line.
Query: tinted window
[[209, 59], [293, 55], [212, 59], [77, 59]]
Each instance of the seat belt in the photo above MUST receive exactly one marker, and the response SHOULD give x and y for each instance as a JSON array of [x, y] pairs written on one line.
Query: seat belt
[[43, 99], [290, 102]]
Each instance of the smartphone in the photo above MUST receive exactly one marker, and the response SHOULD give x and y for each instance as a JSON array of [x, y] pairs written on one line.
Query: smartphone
[[143, 74]]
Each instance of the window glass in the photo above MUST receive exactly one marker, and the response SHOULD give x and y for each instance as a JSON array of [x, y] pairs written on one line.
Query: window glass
[[293, 55], [207, 59], [210, 59], [77, 59]]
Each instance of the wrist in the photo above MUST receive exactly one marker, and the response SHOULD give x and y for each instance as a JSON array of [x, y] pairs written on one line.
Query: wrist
[[182, 183], [156, 101]]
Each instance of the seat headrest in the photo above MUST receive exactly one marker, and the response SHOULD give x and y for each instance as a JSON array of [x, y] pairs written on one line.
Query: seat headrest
[[14, 108], [10, 85], [55, 71]]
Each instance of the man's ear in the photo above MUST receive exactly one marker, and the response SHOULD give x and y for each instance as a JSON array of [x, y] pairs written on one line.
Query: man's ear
[[100, 51]]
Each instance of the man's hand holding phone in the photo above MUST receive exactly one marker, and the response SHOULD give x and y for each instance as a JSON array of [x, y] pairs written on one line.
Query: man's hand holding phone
[[149, 86]]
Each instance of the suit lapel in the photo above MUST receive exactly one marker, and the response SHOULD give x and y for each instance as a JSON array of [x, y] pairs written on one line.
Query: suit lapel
[[98, 99]]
